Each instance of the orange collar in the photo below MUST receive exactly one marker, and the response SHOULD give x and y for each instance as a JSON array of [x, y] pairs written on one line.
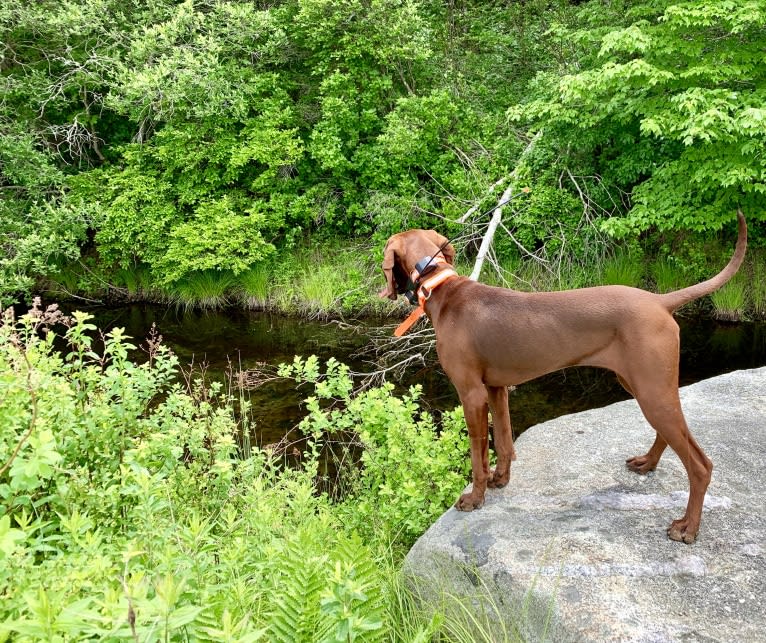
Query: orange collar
[[432, 261], [425, 290]]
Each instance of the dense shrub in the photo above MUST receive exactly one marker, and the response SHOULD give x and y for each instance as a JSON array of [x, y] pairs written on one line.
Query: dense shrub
[[130, 510]]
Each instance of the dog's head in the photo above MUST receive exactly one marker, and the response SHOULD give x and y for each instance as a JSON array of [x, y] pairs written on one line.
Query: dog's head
[[403, 251]]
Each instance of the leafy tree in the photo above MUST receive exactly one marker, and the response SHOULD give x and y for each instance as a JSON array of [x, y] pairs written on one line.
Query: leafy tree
[[671, 107], [35, 236], [55, 65], [199, 136]]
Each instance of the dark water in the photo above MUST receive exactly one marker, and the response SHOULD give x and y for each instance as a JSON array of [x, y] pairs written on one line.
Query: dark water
[[241, 340]]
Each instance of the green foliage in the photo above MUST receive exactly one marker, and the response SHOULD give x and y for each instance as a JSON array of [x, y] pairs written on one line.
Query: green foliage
[[177, 212], [35, 235], [552, 222], [409, 471], [128, 510], [56, 59], [671, 107], [195, 137], [201, 136]]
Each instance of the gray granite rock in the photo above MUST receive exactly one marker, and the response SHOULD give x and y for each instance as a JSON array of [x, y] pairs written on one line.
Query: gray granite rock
[[574, 548]]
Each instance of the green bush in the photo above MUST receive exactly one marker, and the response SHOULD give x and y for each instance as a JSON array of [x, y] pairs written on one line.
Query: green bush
[[410, 468], [130, 511]]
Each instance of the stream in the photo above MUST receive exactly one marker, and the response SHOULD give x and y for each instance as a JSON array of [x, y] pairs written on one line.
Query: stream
[[242, 340]]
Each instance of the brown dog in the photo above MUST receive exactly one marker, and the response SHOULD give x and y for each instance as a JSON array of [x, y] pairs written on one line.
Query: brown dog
[[490, 338]]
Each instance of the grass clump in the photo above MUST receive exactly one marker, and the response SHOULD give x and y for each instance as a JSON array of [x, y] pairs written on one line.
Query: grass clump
[[319, 289], [729, 301], [136, 282], [207, 289], [328, 281], [622, 268], [666, 275], [253, 286]]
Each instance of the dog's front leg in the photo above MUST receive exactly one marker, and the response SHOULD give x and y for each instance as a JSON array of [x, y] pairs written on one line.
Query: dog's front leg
[[475, 409]]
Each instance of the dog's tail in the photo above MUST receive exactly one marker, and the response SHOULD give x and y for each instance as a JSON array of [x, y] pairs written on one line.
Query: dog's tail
[[678, 298]]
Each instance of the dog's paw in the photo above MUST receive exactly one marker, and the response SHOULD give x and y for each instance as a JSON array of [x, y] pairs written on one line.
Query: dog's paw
[[498, 481], [678, 532], [467, 502], [641, 464]]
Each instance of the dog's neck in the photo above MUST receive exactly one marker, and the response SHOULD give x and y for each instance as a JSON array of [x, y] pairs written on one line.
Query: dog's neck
[[425, 286], [434, 290], [431, 283]]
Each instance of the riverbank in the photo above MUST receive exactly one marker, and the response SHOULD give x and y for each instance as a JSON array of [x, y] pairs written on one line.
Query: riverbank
[[324, 281]]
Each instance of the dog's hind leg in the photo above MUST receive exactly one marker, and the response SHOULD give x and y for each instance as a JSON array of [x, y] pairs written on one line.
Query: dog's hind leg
[[502, 436], [643, 464], [648, 462], [661, 406]]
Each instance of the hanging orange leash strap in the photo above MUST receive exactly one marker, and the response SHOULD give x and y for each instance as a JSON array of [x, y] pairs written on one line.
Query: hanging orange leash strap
[[410, 321]]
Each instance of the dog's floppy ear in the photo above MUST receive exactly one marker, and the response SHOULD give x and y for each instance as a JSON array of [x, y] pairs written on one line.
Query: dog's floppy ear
[[389, 261], [448, 251]]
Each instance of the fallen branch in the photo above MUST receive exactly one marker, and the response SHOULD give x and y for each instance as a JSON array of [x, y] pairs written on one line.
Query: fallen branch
[[497, 212], [497, 216], [391, 355], [473, 209]]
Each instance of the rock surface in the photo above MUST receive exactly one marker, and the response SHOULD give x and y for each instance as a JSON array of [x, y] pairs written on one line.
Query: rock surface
[[574, 548]]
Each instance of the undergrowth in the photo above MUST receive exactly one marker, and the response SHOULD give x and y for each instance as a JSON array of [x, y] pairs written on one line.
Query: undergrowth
[[336, 280], [730, 300], [130, 510]]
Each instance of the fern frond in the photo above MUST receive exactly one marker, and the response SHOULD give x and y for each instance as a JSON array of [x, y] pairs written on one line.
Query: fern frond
[[352, 603], [295, 607]]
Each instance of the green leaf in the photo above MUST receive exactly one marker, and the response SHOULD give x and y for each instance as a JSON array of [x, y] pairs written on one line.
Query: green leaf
[[9, 537]]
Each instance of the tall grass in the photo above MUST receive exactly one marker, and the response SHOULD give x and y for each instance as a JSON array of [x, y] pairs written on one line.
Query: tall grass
[[520, 274], [533, 275], [666, 275], [205, 289], [254, 285], [622, 268], [334, 279], [320, 288], [460, 605], [135, 283], [729, 301], [758, 285]]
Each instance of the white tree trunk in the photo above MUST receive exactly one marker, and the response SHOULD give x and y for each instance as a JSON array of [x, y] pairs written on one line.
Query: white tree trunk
[[497, 213], [486, 242]]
